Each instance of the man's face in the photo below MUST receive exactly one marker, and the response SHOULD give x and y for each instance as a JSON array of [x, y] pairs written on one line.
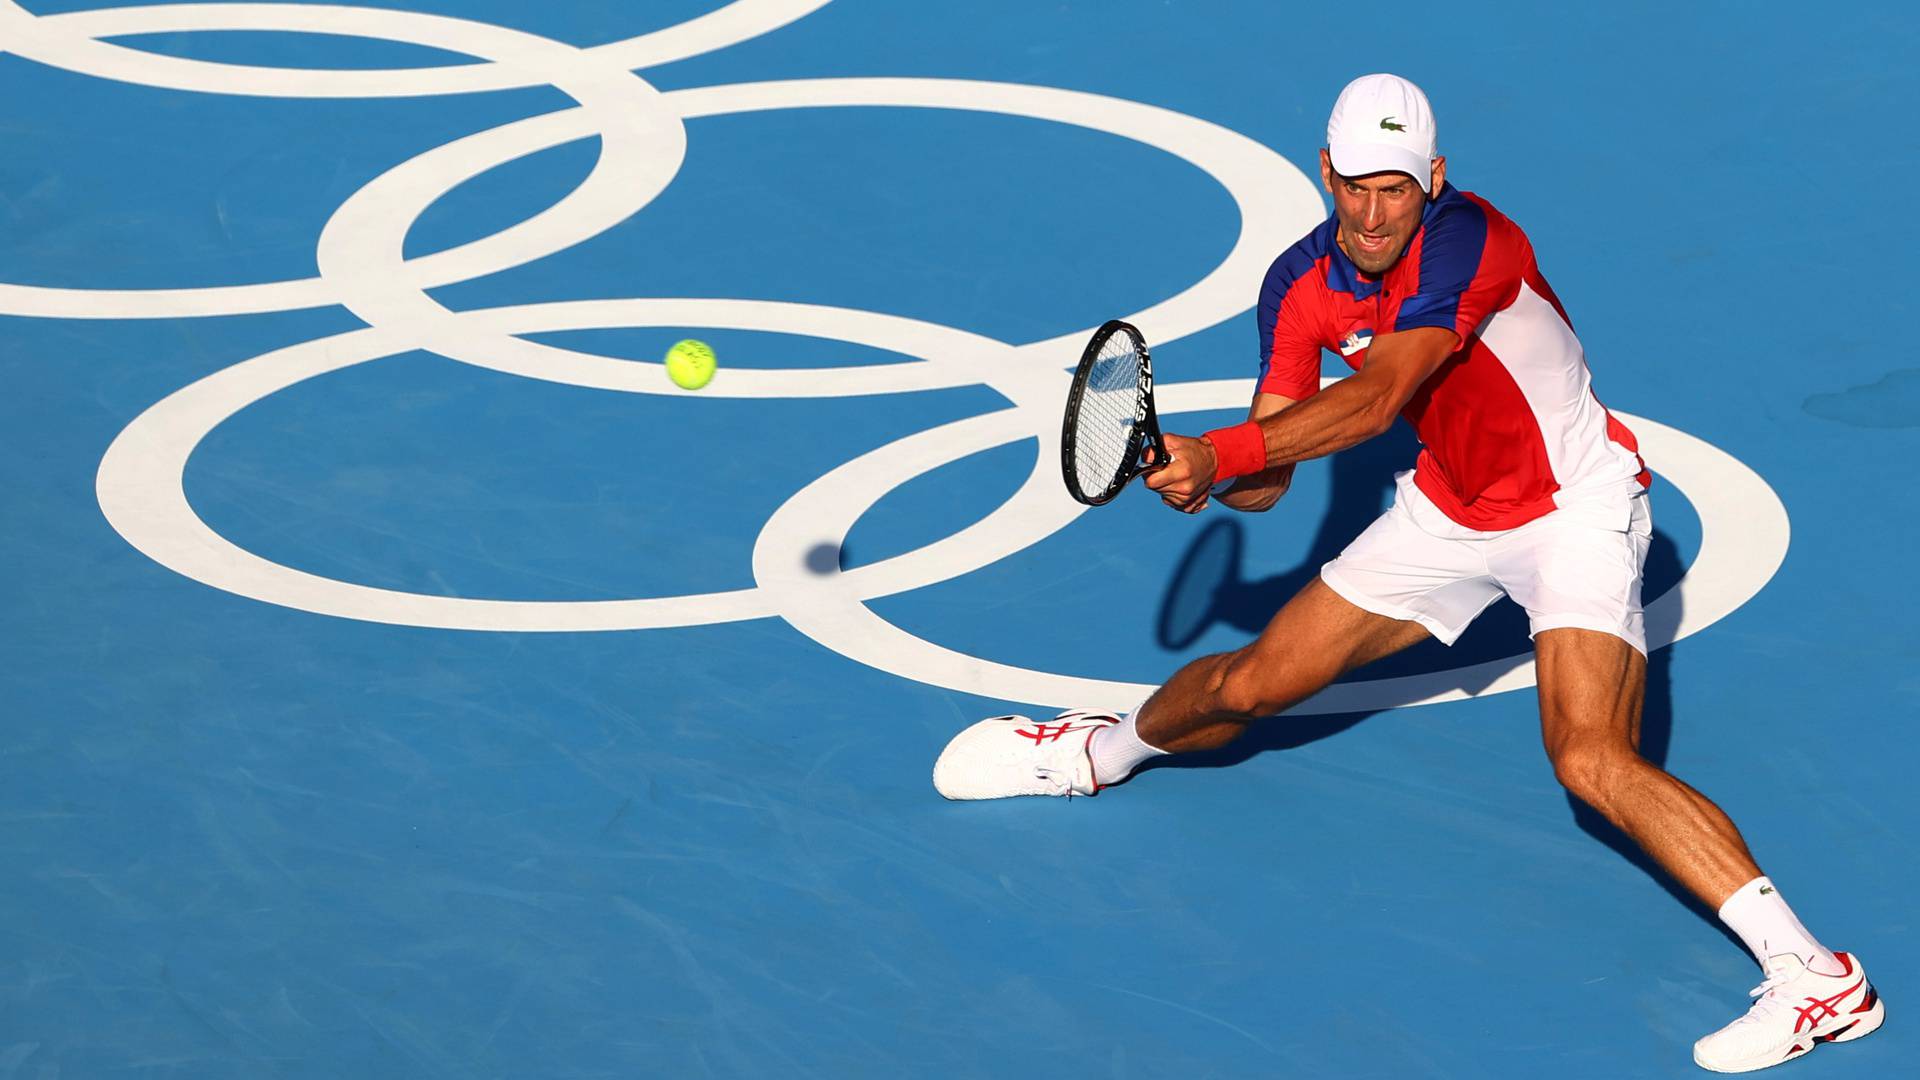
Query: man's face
[[1378, 214]]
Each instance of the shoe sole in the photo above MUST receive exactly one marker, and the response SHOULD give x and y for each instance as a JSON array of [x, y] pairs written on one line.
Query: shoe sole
[[1867, 1023]]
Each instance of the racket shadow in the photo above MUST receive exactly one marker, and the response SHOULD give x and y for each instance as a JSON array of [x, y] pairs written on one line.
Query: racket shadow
[[1206, 589]]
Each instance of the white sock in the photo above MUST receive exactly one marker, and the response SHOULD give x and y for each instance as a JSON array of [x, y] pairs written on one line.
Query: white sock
[[1768, 927], [1118, 750]]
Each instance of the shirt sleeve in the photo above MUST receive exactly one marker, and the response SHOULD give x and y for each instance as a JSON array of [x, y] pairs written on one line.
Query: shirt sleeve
[[1289, 343], [1470, 267]]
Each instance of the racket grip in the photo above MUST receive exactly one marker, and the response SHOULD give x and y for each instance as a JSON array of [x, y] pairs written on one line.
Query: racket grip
[[1241, 450]]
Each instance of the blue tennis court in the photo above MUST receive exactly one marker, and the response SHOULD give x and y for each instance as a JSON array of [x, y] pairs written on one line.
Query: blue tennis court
[[405, 679]]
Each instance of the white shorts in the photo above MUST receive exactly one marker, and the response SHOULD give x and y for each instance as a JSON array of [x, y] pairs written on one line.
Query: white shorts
[[1578, 566]]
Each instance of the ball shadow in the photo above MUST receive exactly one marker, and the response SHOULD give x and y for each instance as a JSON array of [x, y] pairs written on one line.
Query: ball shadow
[[826, 558]]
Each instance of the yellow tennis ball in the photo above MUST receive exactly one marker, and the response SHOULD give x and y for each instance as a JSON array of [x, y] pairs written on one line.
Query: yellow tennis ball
[[690, 364]]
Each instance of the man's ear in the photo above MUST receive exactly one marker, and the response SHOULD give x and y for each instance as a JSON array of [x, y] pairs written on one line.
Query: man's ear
[[1326, 171], [1439, 175]]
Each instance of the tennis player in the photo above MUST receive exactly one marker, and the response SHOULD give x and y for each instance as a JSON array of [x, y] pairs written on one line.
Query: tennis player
[[1526, 486]]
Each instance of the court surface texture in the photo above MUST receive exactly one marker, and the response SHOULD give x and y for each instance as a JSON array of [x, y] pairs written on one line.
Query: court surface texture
[[404, 679]]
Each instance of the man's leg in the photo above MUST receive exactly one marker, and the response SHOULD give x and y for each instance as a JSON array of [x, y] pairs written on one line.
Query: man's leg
[[1316, 638], [1592, 686], [1394, 585]]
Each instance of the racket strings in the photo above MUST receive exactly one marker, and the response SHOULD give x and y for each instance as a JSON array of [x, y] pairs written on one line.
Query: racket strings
[[1104, 427]]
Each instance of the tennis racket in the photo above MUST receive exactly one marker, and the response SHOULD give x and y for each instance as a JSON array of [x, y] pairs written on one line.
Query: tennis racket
[[1110, 423]]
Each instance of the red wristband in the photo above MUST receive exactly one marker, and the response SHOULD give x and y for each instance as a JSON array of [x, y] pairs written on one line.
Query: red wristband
[[1242, 450]]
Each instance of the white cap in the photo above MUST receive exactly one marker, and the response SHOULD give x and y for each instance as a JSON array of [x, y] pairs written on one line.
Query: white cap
[[1382, 123]]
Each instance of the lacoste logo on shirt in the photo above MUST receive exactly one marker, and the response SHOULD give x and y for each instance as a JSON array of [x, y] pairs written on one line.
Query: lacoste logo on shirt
[[1765, 889], [1387, 124]]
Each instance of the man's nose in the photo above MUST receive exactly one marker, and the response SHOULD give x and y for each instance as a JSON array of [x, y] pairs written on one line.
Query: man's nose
[[1375, 214]]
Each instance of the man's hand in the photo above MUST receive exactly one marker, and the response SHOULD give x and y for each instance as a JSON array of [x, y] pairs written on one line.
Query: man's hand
[[1257, 493], [1183, 484]]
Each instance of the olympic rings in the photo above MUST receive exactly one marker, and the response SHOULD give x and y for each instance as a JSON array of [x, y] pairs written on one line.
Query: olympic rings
[[643, 138]]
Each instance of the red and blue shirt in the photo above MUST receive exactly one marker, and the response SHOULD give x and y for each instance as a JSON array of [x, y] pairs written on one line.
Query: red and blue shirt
[[1509, 423]]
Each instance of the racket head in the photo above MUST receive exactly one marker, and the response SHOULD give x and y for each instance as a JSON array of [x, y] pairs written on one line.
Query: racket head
[[1110, 420]]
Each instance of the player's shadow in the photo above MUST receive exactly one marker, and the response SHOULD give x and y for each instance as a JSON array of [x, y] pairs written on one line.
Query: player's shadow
[[1206, 591]]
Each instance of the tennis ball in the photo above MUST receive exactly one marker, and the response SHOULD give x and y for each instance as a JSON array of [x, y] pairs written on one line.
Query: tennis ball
[[690, 364]]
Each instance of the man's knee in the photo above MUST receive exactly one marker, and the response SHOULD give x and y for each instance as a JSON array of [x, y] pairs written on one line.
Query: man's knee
[[1251, 685], [1592, 769]]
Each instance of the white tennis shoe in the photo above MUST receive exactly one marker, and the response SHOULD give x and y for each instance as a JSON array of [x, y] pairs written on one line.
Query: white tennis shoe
[[1004, 756], [1798, 1009]]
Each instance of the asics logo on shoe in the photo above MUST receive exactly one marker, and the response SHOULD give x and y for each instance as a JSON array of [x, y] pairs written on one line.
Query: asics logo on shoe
[[1050, 732], [1818, 1009]]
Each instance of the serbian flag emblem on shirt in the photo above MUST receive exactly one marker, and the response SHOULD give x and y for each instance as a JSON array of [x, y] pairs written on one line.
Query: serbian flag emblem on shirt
[[1355, 341]]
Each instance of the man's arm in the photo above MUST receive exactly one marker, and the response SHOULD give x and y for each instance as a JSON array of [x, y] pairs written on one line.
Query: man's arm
[[1350, 411]]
